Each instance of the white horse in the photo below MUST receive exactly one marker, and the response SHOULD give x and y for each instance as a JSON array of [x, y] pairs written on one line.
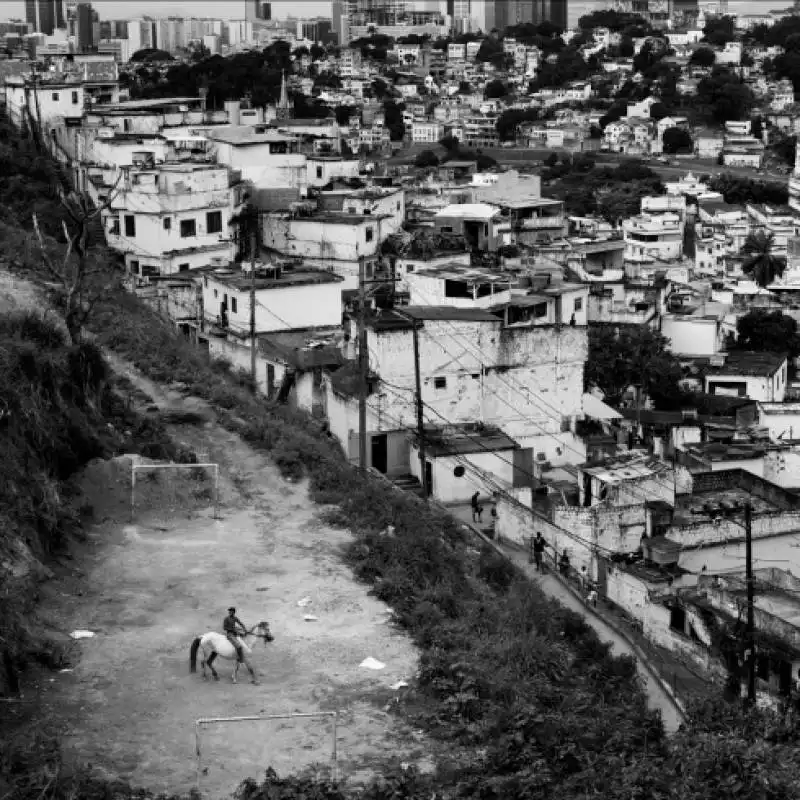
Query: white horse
[[216, 644]]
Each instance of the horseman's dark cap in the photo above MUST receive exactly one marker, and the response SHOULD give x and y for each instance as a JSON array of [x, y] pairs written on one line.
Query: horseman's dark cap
[[231, 609]]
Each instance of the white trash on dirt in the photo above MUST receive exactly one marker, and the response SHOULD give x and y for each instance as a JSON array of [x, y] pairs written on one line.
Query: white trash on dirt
[[399, 685], [306, 601], [310, 618], [371, 663], [82, 634]]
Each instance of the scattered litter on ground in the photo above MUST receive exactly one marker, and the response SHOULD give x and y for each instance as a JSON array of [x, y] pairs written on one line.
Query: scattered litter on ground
[[306, 601], [371, 663], [398, 685], [310, 618], [82, 634], [263, 589]]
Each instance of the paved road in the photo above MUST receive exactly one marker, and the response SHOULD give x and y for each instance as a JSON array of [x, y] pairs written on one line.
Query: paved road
[[656, 696]]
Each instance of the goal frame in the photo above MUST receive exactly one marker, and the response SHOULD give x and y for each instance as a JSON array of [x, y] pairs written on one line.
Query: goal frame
[[206, 721], [148, 467]]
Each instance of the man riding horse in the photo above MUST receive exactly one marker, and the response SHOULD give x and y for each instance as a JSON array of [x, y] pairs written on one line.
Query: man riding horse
[[233, 628]]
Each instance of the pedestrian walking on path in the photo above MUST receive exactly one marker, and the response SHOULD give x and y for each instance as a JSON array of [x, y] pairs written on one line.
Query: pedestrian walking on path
[[476, 507], [538, 546]]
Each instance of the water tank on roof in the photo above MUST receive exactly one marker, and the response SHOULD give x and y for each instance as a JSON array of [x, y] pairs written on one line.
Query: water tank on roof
[[233, 108]]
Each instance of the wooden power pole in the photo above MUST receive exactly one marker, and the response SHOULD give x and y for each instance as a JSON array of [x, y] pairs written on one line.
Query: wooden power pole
[[363, 366], [751, 644], [253, 240], [423, 472]]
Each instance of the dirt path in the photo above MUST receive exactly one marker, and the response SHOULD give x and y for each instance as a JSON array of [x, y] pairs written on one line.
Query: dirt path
[[129, 705]]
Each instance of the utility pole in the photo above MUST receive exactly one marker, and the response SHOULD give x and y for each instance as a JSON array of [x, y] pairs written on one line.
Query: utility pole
[[751, 645], [253, 240], [423, 473], [363, 366], [419, 404]]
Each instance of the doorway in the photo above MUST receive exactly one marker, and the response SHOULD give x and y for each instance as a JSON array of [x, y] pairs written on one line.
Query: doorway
[[429, 477], [380, 452]]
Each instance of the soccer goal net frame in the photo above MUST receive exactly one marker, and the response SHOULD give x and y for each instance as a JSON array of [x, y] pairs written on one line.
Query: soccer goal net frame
[[268, 718], [150, 467]]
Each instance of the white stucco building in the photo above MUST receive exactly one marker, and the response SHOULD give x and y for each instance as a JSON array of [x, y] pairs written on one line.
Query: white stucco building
[[172, 217]]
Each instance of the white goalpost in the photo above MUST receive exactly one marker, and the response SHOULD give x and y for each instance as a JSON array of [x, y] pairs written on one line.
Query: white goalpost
[[333, 716], [214, 468]]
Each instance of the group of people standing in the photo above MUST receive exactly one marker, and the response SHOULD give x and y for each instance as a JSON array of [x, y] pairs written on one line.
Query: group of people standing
[[588, 586]]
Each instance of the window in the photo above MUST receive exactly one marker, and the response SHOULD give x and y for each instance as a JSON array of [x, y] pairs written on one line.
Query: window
[[459, 471], [440, 383], [216, 294], [54, 97], [214, 222], [130, 226], [74, 98], [135, 267], [233, 305], [446, 228], [578, 304], [277, 148], [319, 172], [183, 267], [370, 234], [188, 228], [167, 223]]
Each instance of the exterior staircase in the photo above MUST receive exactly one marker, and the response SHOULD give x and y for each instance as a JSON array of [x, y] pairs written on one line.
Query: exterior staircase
[[408, 483]]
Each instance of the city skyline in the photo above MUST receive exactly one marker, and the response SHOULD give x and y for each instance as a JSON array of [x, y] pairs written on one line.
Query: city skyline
[[130, 9], [127, 9]]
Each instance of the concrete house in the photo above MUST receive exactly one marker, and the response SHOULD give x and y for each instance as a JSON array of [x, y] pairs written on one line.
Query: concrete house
[[759, 376], [339, 242], [265, 158], [171, 217], [653, 236], [525, 380]]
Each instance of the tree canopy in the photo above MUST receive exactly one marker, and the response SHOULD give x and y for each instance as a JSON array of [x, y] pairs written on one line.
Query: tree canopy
[[761, 263], [725, 95], [677, 140], [768, 332], [633, 355]]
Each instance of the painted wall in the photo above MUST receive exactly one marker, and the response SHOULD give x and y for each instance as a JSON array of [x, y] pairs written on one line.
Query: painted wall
[[526, 380], [692, 336], [448, 488], [313, 305]]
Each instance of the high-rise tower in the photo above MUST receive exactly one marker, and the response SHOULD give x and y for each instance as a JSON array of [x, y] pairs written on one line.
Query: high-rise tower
[[45, 15]]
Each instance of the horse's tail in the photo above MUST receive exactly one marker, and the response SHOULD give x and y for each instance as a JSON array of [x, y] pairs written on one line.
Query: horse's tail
[[193, 655]]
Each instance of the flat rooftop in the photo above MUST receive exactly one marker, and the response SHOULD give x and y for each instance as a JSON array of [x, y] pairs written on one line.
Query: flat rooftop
[[127, 106], [463, 272], [242, 281], [749, 364], [464, 439], [246, 135], [627, 469], [701, 507]]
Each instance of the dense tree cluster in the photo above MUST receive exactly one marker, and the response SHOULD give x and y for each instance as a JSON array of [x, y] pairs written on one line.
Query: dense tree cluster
[[738, 190], [768, 332], [612, 193], [726, 95], [677, 140], [720, 30], [568, 66], [624, 356]]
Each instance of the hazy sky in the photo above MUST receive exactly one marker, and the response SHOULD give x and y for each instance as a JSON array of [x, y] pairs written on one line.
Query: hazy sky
[[128, 9]]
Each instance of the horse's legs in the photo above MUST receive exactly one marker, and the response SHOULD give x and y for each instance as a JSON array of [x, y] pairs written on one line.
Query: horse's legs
[[235, 669], [211, 666], [203, 667]]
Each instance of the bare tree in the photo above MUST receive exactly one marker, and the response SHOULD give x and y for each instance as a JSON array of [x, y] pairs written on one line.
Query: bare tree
[[77, 267]]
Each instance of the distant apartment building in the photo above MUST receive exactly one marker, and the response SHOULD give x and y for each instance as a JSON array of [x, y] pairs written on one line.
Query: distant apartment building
[[45, 16], [141, 34]]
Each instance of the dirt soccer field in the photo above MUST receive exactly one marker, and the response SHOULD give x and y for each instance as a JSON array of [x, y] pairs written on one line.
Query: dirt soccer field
[[149, 587]]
